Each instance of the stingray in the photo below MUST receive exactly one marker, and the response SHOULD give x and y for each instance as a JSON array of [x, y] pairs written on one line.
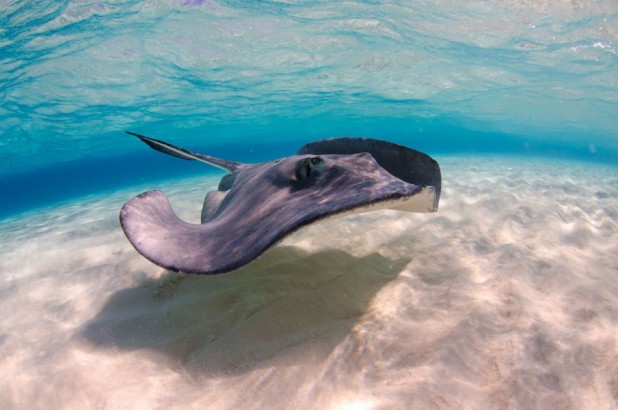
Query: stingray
[[257, 205]]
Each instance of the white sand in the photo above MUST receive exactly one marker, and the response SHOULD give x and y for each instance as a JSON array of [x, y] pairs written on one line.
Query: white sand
[[505, 298]]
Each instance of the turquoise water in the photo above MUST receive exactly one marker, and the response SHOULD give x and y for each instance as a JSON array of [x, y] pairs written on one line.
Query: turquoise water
[[255, 80], [505, 298]]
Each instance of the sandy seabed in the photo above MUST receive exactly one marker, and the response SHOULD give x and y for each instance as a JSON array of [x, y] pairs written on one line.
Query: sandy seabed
[[505, 298]]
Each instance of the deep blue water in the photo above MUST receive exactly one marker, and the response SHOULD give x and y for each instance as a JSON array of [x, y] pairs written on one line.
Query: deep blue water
[[252, 81]]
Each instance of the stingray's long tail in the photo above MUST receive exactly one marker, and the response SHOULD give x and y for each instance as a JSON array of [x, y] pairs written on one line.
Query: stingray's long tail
[[182, 153]]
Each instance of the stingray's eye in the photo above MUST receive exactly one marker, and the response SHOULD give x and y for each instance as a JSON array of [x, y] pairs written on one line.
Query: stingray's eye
[[308, 168]]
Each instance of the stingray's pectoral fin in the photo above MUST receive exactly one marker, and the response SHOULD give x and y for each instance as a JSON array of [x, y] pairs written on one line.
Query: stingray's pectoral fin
[[161, 236]]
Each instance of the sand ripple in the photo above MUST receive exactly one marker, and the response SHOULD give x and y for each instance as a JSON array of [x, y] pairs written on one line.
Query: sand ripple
[[506, 298]]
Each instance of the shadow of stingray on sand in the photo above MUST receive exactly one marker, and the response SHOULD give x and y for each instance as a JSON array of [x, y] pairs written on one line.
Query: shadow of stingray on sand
[[285, 301]]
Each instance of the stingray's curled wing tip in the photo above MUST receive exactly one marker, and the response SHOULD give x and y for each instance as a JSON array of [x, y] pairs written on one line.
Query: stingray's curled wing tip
[[157, 233]]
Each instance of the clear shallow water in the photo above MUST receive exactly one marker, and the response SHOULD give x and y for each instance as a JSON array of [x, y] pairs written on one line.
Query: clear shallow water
[[254, 80], [505, 298]]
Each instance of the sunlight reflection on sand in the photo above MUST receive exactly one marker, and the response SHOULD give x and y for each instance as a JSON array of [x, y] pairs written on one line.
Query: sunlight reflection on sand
[[507, 297]]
